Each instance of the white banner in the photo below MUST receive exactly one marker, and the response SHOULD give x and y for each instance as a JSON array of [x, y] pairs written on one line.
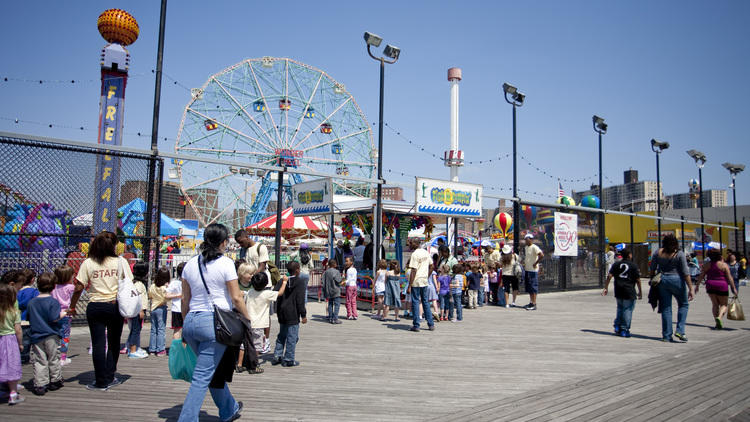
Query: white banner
[[566, 234], [313, 198], [452, 199]]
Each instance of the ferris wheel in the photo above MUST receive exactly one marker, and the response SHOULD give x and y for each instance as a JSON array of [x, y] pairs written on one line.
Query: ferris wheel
[[268, 111]]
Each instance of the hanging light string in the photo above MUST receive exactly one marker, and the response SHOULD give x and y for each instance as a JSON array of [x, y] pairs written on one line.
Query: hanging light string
[[10, 79], [79, 128]]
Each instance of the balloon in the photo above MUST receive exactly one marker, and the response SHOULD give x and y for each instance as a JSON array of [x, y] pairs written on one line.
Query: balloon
[[545, 216], [693, 185], [529, 213], [590, 201], [503, 221], [566, 200]]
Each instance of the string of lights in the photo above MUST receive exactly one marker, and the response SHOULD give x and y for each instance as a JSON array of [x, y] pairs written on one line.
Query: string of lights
[[552, 176], [86, 81], [80, 128]]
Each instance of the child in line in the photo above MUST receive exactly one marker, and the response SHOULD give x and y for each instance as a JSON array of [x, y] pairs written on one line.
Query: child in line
[[24, 280], [244, 278], [444, 280], [492, 283], [11, 340], [133, 345], [351, 288], [45, 317], [62, 293], [457, 285], [291, 311], [258, 302], [392, 290], [484, 285], [379, 290], [174, 293], [332, 290], [158, 295], [432, 292], [475, 279]]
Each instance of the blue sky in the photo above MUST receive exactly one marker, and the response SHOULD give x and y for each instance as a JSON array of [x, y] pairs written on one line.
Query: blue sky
[[673, 70]]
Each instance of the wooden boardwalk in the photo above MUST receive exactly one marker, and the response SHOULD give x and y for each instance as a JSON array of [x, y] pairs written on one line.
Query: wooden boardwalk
[[560, 362]]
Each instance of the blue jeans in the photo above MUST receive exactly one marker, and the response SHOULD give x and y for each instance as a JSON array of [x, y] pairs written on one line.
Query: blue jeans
[[134, 338], [333, 308], [306, 279], [480, 296], [445, 302], [198, 332], [286, 342], [624, 314], [458, 305], [421, 295], [672, 285], [156, 341]]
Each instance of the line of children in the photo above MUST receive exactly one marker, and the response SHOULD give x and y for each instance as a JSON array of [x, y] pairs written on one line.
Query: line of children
[[258, 301], [25, 278], [133, 344], [475, 280], [379, 288], [332, 284], [63, 292], [11, 338], [291, 311], [157, 294], [45, 317]]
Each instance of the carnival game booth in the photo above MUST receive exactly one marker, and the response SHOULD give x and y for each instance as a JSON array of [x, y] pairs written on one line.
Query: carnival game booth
[[433, 198]]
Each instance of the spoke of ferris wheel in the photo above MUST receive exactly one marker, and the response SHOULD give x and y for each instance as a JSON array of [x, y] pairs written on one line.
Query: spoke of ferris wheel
[[244, 111], [335, 161], [341, 138], [231, 129], [307, 106], [232, 202], [205, 182], [268, 109], [324, 121]]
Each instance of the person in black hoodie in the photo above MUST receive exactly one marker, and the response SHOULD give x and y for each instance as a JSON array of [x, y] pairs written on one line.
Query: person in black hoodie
[[290, 310]]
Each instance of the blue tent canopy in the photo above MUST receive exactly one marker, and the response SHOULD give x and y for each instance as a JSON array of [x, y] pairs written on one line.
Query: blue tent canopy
[[169, 227]]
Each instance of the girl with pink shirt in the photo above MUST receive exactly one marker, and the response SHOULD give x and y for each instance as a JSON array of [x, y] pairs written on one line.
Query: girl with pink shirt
[[62, 292]]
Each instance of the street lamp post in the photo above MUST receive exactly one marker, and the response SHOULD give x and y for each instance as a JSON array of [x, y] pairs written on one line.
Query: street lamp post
[[392, 53], [515, 98], [658, 147], [700, 161], [601, 128], [734, 170]]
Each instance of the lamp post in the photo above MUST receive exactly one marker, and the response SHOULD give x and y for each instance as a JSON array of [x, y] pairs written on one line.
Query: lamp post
[[658, 147], [392, 53], [601, 128], [734, 170], [515, 98], [700, 161]]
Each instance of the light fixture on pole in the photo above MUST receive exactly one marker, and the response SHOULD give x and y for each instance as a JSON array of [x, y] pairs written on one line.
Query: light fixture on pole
[[658, 147], [601, 128], [700, 161], [392, 53], [734, 170], [516, 98]]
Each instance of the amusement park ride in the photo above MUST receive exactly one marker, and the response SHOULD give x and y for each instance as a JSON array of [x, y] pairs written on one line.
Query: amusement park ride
[[273, 111]]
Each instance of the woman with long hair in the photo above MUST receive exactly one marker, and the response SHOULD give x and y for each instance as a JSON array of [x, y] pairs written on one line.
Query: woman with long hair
[[198, 330], [100, 272], [675, 282], [718, 281]]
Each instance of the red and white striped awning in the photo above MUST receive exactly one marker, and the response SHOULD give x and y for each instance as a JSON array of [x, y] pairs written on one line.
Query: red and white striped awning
[[290, 225]]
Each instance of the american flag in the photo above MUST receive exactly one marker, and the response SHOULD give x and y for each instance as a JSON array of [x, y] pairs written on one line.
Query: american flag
[[560, 191]]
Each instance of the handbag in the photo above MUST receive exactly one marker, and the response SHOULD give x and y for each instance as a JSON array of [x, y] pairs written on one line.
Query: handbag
[[655, 280], [735, 312], [128, 298], [229, 327], [517, 269], [181, 361]]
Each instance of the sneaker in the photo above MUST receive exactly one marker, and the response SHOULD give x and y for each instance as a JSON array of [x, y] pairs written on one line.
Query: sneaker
[[123, 351], [432, 328], [39, 391], [617, 331], [66, 361], [413, 328], [266, 346], [94, 387], [622, 333], [162, 353], [681, 337], [513, 305], [138, 354], [626, 333], [508, 306], [453, 319], [288, 364], [115, 382], [237, 413], [15, 399], [531, 307], [275, 361], [337, 321], [54, 386]]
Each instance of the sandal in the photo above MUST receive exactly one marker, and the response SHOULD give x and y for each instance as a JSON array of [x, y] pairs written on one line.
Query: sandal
[[257, 370]]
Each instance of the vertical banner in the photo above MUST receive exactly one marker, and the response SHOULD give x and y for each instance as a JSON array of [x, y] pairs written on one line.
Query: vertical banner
[[107, 182], [747, 230], [566, 234]]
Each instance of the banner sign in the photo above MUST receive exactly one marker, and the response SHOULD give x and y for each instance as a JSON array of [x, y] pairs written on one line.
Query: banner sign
[[566, 234], [107, 182], [313, 198], [747, 230], [452, 199]]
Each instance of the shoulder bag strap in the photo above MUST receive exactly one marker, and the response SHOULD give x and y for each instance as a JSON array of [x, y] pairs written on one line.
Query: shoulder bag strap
[[200, 270]]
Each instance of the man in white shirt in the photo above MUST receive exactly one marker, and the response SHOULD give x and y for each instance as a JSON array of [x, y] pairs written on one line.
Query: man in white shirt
[[420, 271], [532, 257], [491, 255]]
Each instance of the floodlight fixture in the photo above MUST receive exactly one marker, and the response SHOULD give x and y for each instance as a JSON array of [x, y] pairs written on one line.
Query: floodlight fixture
[[509, 89], [658, 146], [392, 51], [699, 157], [734, 169], [372, 39], [599, 125], [516, 97]]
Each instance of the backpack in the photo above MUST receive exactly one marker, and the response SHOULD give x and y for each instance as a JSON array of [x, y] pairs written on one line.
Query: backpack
[[304, 257], [272, 270]]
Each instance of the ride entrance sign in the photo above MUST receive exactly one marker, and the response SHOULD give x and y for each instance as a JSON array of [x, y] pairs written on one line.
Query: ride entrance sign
[[452, 199], [566, 234], [313, 198]]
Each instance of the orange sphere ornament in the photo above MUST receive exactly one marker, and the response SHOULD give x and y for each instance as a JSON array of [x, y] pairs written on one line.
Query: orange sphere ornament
[[118, 26]]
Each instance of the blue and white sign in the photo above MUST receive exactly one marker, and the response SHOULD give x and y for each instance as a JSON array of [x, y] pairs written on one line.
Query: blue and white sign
[[451, 199], [313, 198]]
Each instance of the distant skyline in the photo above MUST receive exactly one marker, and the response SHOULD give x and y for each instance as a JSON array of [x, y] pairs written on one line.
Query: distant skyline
[[675, 71]]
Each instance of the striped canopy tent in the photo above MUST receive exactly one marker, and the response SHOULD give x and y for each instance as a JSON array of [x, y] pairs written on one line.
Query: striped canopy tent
[[291, 226]]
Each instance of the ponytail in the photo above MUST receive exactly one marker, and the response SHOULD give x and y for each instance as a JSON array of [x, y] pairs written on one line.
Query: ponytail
[[214, 235]]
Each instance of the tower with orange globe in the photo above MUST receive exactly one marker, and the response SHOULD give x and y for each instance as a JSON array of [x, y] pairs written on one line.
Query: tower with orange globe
[[119, 28]]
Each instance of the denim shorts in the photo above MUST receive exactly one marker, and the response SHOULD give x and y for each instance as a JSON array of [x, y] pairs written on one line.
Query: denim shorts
[[531, 282]]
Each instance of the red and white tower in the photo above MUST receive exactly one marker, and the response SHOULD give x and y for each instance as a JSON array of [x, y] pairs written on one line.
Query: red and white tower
[[453, 158]]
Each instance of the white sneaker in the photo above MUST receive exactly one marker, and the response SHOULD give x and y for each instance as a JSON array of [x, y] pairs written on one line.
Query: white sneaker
[[266, 346], [138, 354], [66, 361], [507, 306]]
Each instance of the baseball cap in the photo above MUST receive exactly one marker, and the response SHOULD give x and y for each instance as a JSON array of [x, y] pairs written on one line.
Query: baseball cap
[[528, 236], [340, 243]]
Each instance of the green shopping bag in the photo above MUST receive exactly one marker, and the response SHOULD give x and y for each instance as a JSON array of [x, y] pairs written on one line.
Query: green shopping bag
[[181, 361]]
